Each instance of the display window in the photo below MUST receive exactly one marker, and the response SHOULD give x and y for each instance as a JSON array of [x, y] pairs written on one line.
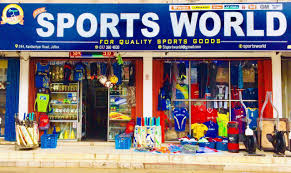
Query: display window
[[286, 87], [3, 82], [86, 98], [204, 95]]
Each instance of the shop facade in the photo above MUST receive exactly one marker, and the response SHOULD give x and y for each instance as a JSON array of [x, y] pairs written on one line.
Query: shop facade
[[209, 72]]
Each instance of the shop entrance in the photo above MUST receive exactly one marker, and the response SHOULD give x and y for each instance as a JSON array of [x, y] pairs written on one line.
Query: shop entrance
[[95, 111]]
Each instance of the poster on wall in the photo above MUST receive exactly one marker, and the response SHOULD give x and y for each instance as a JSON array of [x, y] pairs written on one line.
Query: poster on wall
[[145, 27]]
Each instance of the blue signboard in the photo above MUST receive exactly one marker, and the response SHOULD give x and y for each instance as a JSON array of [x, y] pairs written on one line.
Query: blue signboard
[[145, 27]]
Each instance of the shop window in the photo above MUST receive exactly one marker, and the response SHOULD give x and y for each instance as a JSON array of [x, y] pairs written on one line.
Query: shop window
[[3, 80], [208, 90], [286, 87], [92, 108]]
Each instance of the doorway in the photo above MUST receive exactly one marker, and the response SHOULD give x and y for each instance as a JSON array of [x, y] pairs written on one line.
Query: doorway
[[95, 111]]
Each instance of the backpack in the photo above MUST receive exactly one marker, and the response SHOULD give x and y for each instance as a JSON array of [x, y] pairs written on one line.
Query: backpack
[[44, 123]]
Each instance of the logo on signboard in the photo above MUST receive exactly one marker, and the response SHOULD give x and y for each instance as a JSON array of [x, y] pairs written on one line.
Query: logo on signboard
[[217, 6], [277, 6], [252, 7], [232, 7], [264, 6], [200, 7], [12, 14]]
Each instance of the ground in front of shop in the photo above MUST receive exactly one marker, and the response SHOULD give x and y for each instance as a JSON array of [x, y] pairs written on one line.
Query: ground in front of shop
[[102, 157]]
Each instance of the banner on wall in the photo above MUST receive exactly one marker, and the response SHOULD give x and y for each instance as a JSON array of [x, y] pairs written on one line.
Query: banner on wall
[[145, 27]]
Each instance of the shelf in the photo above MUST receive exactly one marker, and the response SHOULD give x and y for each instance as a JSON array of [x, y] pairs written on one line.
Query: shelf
[[63, 82], [62, 104], [117, 127], [64, 140], [118, 120], [118, 95], [65, 92], [63, 121]]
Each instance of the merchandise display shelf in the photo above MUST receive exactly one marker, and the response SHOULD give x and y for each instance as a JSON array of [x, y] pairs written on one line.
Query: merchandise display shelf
[[65, 121], [61, 104], [63, 92], [118, 120]]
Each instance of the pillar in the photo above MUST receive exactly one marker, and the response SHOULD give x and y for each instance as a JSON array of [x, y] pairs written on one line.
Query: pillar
[[277, 84], [23, 83], [147, 85]]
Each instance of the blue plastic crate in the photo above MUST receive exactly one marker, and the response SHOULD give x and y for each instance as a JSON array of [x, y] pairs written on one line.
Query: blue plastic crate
[[122, 142], [49, 140], [221, 146], [210, 144], [188, 143]]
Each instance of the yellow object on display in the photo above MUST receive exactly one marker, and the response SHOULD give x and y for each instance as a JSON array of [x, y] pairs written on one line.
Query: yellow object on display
[[119, 116], [3, 64], [72, 135], [199, 130]]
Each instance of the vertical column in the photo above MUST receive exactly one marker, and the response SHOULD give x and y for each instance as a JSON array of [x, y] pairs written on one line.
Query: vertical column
[[23, 83], [277, 84], [147, 85]]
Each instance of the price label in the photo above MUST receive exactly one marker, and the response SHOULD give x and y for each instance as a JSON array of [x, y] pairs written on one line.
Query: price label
[[74, 125], [75, 54], [108, 53]]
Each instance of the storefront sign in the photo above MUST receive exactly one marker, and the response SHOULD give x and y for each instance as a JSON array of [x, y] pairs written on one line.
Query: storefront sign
[[145, 27]]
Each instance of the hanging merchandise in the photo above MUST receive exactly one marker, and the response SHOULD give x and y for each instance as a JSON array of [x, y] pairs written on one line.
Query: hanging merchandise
[[102, 78], [93, 70], [222, 75], [198, 114], [42, 102], [253, 115], [202, 69], [119, 59], [182, 91], [180, 116], [238, 114], [80, 69], [222, 94], [212, 79], [67, 73], [235, 96], [131, 101], [44, 123], [131, 74], [198, 130], [182, 72], [112, 77], [2, 86], [234, 75], [249, 74], [240, 77], [222, 120], [117, 71], [42, 75], [212, 131]]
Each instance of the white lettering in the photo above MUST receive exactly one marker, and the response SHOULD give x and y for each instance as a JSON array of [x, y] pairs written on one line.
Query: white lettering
[[129, 17], [270, 24], [178, 26], [61, 23], [228, 24], [46, 24], [216, 27], [150, 24], [109, 25], [80, 25], [250, 26]]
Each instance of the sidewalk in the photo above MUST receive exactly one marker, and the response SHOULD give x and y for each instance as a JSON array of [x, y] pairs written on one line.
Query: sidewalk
[[103, 155]]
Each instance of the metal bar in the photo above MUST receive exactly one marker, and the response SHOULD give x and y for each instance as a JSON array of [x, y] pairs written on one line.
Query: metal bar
[[212, 100]]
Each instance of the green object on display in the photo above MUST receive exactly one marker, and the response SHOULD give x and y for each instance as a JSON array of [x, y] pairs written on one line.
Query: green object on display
[[42, 102]]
